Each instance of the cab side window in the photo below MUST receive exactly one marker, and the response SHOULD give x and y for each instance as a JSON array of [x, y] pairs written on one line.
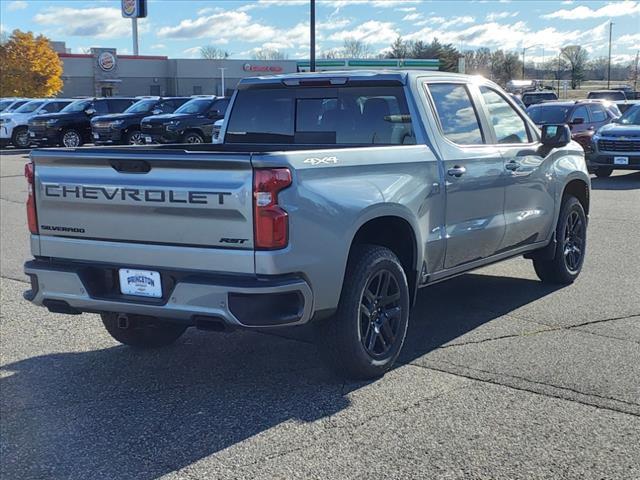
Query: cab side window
[[509, 127], [457, 115]]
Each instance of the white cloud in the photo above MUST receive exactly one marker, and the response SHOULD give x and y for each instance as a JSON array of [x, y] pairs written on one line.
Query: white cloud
[[371, 31], [223, 25], [193, 52], [492, 17], [17, 5], [581, 12], [412, 16], [99, 22], [158, 46]]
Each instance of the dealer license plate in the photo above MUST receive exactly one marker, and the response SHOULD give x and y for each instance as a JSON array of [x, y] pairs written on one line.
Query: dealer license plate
[[621, 160], [148, 140], [143, 283]]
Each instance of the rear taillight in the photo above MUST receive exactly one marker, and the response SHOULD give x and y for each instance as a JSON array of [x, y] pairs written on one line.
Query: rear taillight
[[271, 222], [32, 218]]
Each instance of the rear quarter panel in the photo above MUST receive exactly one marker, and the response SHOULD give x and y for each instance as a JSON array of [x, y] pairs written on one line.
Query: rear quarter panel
[[337, 191]]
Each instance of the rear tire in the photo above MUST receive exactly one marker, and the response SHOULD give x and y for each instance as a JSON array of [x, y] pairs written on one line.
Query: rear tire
[[141, 332], [571, 235], [364, 338], [603, 172]]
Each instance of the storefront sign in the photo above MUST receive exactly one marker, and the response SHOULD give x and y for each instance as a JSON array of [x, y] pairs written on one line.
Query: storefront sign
[[247, 67], [134, 8], [107, 61]]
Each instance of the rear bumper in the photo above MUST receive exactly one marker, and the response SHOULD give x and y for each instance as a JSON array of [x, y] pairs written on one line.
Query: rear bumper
[[238, 300]]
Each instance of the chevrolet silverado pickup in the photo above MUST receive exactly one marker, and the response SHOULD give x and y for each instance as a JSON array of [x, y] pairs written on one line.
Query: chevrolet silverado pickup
[[332, 199]]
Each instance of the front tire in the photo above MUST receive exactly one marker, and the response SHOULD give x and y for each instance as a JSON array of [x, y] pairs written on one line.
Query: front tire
[[603, 172], [71, 138], [134, 137], [192, 137], [571, 236], [141, 332], [364, 338], [20, 137]]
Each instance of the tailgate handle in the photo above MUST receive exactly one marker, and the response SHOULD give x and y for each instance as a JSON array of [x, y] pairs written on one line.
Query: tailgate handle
[[130, 166]]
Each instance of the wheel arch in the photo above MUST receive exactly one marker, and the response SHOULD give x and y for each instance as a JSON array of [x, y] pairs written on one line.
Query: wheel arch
[[393, 232], [579, 189]]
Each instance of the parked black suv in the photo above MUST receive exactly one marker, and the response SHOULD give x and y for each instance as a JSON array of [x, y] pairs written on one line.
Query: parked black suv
[[612, 95], [191, 123], [124, 128], [533, 98], [71, 127]]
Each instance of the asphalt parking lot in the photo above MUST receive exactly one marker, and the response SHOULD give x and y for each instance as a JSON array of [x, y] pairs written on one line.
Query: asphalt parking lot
[[501, 377]]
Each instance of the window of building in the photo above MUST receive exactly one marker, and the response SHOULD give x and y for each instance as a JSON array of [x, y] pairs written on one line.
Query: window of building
[[456, 112]]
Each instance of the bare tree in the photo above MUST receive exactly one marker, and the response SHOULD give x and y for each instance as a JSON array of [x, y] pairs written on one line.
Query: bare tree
[[269, 54], [577, 58], [353, 48], [331, 54], [213, 53]]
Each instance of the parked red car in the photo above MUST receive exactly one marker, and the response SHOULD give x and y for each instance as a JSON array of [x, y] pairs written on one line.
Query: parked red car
[[584, 117]]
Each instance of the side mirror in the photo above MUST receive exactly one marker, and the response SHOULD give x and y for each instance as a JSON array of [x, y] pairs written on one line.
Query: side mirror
[[156, 111], [555, 136], [90, 111], [577, 121], [213, 113]]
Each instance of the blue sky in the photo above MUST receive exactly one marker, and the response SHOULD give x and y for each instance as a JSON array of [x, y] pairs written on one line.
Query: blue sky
[[179, 28]]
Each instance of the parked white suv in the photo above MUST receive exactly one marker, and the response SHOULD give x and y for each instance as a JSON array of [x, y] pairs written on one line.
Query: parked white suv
[[14, 125]]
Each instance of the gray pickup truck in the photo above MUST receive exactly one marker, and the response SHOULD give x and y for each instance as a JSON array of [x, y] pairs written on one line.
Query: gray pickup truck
[[332, 199]]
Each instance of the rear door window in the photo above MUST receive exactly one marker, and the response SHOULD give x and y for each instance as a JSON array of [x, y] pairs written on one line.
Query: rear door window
[[456, 112], [347, 115], [597, 113], [119, 105], [100, 106], [580, 112]]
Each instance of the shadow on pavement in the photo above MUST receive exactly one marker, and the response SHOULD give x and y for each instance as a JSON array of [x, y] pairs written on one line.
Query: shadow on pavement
[[127, 414], [630, 181]]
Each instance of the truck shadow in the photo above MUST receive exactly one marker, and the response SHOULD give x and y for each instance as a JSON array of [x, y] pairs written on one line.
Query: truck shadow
[[121, 413]]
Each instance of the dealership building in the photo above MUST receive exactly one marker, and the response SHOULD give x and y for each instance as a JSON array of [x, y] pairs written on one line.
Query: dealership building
[[105, 73]]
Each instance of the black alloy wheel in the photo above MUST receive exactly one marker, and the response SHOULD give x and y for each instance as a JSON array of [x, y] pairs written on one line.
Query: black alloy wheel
[[380, 314]]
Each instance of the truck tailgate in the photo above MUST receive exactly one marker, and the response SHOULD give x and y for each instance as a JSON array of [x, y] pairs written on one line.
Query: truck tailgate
[[177, 198]]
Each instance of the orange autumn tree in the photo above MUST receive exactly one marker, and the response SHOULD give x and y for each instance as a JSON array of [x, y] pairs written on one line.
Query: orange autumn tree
[[29, 67]]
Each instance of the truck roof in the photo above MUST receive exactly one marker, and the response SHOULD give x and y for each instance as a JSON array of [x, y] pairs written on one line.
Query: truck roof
[[340, 77]]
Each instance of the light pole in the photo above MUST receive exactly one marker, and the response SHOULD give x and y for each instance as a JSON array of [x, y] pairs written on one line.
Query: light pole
[[609, 63], [134, 31], [524, 50], [222, 69], [312, 36]]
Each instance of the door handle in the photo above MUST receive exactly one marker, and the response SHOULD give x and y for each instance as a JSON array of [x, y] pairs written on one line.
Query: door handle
[[512, 165], [457, 171]]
